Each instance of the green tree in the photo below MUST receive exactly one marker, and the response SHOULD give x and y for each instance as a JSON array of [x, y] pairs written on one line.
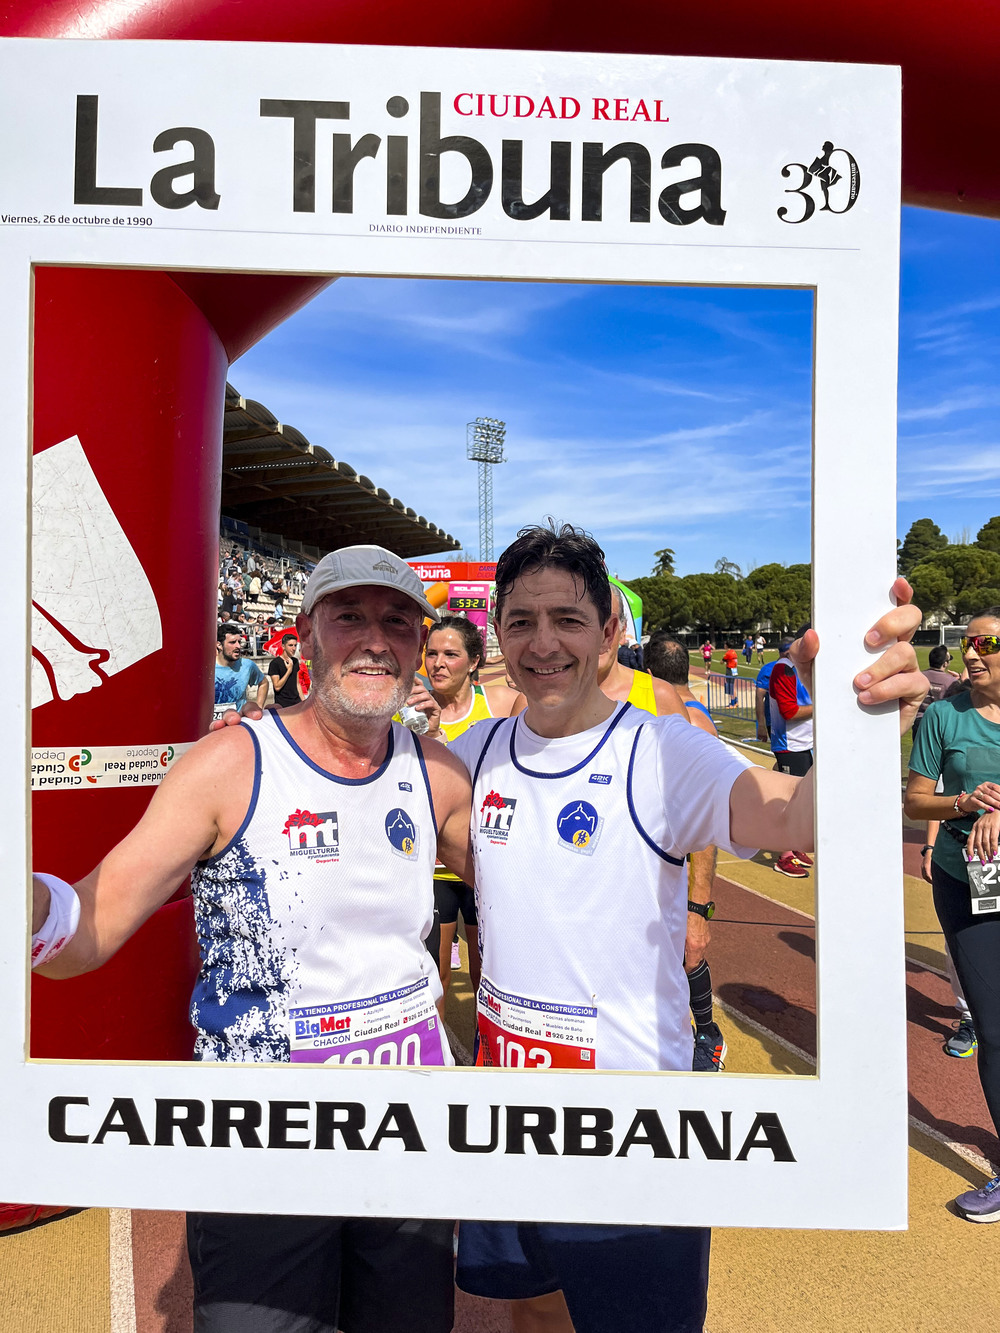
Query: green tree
[[718, 601], [725, 566], [923, 539], [933, 589], [782, 595], [664, 562], [988, 536], [665, 604]]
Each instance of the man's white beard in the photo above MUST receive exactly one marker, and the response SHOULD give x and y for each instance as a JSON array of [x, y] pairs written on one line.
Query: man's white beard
[[328, 683]]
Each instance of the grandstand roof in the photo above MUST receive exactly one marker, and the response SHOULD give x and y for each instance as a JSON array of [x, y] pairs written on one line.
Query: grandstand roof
[[274, 479]]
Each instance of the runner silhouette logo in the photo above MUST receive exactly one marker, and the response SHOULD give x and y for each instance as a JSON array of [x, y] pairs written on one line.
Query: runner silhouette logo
[[402, 833], [579, 826]]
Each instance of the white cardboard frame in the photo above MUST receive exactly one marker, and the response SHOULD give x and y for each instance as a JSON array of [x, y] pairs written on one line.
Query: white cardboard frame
[[846, 1126]]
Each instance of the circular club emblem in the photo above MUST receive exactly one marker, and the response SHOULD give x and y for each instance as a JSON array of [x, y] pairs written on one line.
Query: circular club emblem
[[577, 824], [401, 832]]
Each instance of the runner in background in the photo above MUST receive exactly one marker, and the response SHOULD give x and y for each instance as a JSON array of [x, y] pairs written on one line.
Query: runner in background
[[452, 658], [731, 664], [706, 656], [763, 702], [759, 648], [748, 649], [791, 739], [668, 661]]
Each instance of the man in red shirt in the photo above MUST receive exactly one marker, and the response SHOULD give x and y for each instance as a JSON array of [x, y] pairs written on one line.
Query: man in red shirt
[[730, 662]]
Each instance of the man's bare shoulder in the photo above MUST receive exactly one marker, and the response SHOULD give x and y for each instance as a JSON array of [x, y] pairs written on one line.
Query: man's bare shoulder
[[667, 698], [226, 751]]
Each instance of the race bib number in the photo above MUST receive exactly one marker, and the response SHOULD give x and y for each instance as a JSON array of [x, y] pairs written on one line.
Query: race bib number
[[516, 1032], [399, 1027], [984, 884], [220, 710]]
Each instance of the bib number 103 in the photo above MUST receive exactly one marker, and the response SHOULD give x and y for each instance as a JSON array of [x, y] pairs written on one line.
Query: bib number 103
[[512, 1054]]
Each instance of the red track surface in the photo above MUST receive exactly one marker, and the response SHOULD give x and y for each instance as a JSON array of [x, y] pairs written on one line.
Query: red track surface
[[769, 974]]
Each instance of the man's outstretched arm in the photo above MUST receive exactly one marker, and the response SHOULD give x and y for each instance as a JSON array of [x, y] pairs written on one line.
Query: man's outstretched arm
[[181, 824]]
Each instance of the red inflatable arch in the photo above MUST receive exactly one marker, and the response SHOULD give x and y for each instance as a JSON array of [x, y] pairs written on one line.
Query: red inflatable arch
[[134, 364]]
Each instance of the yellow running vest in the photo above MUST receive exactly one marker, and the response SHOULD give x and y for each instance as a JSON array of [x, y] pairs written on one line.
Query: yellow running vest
[[641, 694], [478, 711]]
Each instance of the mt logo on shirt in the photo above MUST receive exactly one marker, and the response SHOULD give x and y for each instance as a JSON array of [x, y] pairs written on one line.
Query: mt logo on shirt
[[579, 825], [495, 816], [314, 835]]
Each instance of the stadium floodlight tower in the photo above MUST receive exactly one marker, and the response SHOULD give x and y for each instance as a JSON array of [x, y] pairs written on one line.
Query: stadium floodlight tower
[[484, 440]]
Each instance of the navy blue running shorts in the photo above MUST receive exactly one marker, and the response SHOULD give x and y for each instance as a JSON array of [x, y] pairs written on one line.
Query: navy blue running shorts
[[645, 1279], [270, 1274]]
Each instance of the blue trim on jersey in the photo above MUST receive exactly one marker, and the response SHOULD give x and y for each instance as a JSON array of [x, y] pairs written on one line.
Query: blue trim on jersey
[[674, 861], [211, 860], [344, 782], [427, 782], [482, 753], [568, 772], [694, 703]]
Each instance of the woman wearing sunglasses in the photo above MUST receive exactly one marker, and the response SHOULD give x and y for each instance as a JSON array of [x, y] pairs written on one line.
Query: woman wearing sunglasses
[[960, 740]]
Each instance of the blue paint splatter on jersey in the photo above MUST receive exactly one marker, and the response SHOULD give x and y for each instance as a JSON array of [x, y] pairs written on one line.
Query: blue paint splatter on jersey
[[240, 1000]]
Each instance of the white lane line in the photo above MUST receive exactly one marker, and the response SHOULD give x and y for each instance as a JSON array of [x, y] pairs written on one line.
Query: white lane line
[[120, 1270]]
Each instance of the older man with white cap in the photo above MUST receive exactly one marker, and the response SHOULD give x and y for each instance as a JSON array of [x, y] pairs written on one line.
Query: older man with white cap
[[310, 837]]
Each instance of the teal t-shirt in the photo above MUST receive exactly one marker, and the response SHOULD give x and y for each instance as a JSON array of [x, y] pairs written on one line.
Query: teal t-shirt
[[955, 742], [231, 682]]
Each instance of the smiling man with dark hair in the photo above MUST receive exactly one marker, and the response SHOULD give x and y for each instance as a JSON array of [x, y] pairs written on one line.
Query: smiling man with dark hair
[[583, 963]]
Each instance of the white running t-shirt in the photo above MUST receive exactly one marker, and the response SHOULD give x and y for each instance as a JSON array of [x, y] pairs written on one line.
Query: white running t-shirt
[[581, 886]]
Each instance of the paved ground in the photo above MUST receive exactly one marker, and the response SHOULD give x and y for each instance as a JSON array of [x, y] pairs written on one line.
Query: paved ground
[[126, 1273]]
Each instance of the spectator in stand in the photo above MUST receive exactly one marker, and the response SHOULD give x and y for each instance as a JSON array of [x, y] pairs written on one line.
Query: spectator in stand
[[251, 563], [254, 588], [284, 672], [791, 740]]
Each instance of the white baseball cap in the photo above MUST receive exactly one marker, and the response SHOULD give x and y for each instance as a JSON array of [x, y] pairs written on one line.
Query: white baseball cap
[[362, 567]]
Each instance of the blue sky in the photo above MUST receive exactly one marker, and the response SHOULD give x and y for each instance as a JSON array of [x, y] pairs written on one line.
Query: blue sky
[[651, 416]]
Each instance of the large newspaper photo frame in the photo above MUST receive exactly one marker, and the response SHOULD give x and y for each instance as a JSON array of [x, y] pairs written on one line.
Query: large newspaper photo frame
[[757, 181]]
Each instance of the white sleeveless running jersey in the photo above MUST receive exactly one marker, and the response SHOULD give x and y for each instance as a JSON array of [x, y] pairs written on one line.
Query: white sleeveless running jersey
[[311, 922], [581, 885]]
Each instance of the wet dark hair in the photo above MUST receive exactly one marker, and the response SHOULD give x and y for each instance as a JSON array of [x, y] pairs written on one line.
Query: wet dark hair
[[938, 656], [227, 627], [667, 659], [472, 640], [988, 613], [549, 547]]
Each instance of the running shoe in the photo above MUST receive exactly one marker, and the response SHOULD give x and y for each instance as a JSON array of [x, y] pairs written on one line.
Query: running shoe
[[787, 865], [982, 1205], [802, 859], [962, 1042], [709, 1050], [456, 955]]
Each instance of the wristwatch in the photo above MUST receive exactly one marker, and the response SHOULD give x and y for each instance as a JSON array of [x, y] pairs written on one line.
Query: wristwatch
[[927, 847], [707, 910]]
